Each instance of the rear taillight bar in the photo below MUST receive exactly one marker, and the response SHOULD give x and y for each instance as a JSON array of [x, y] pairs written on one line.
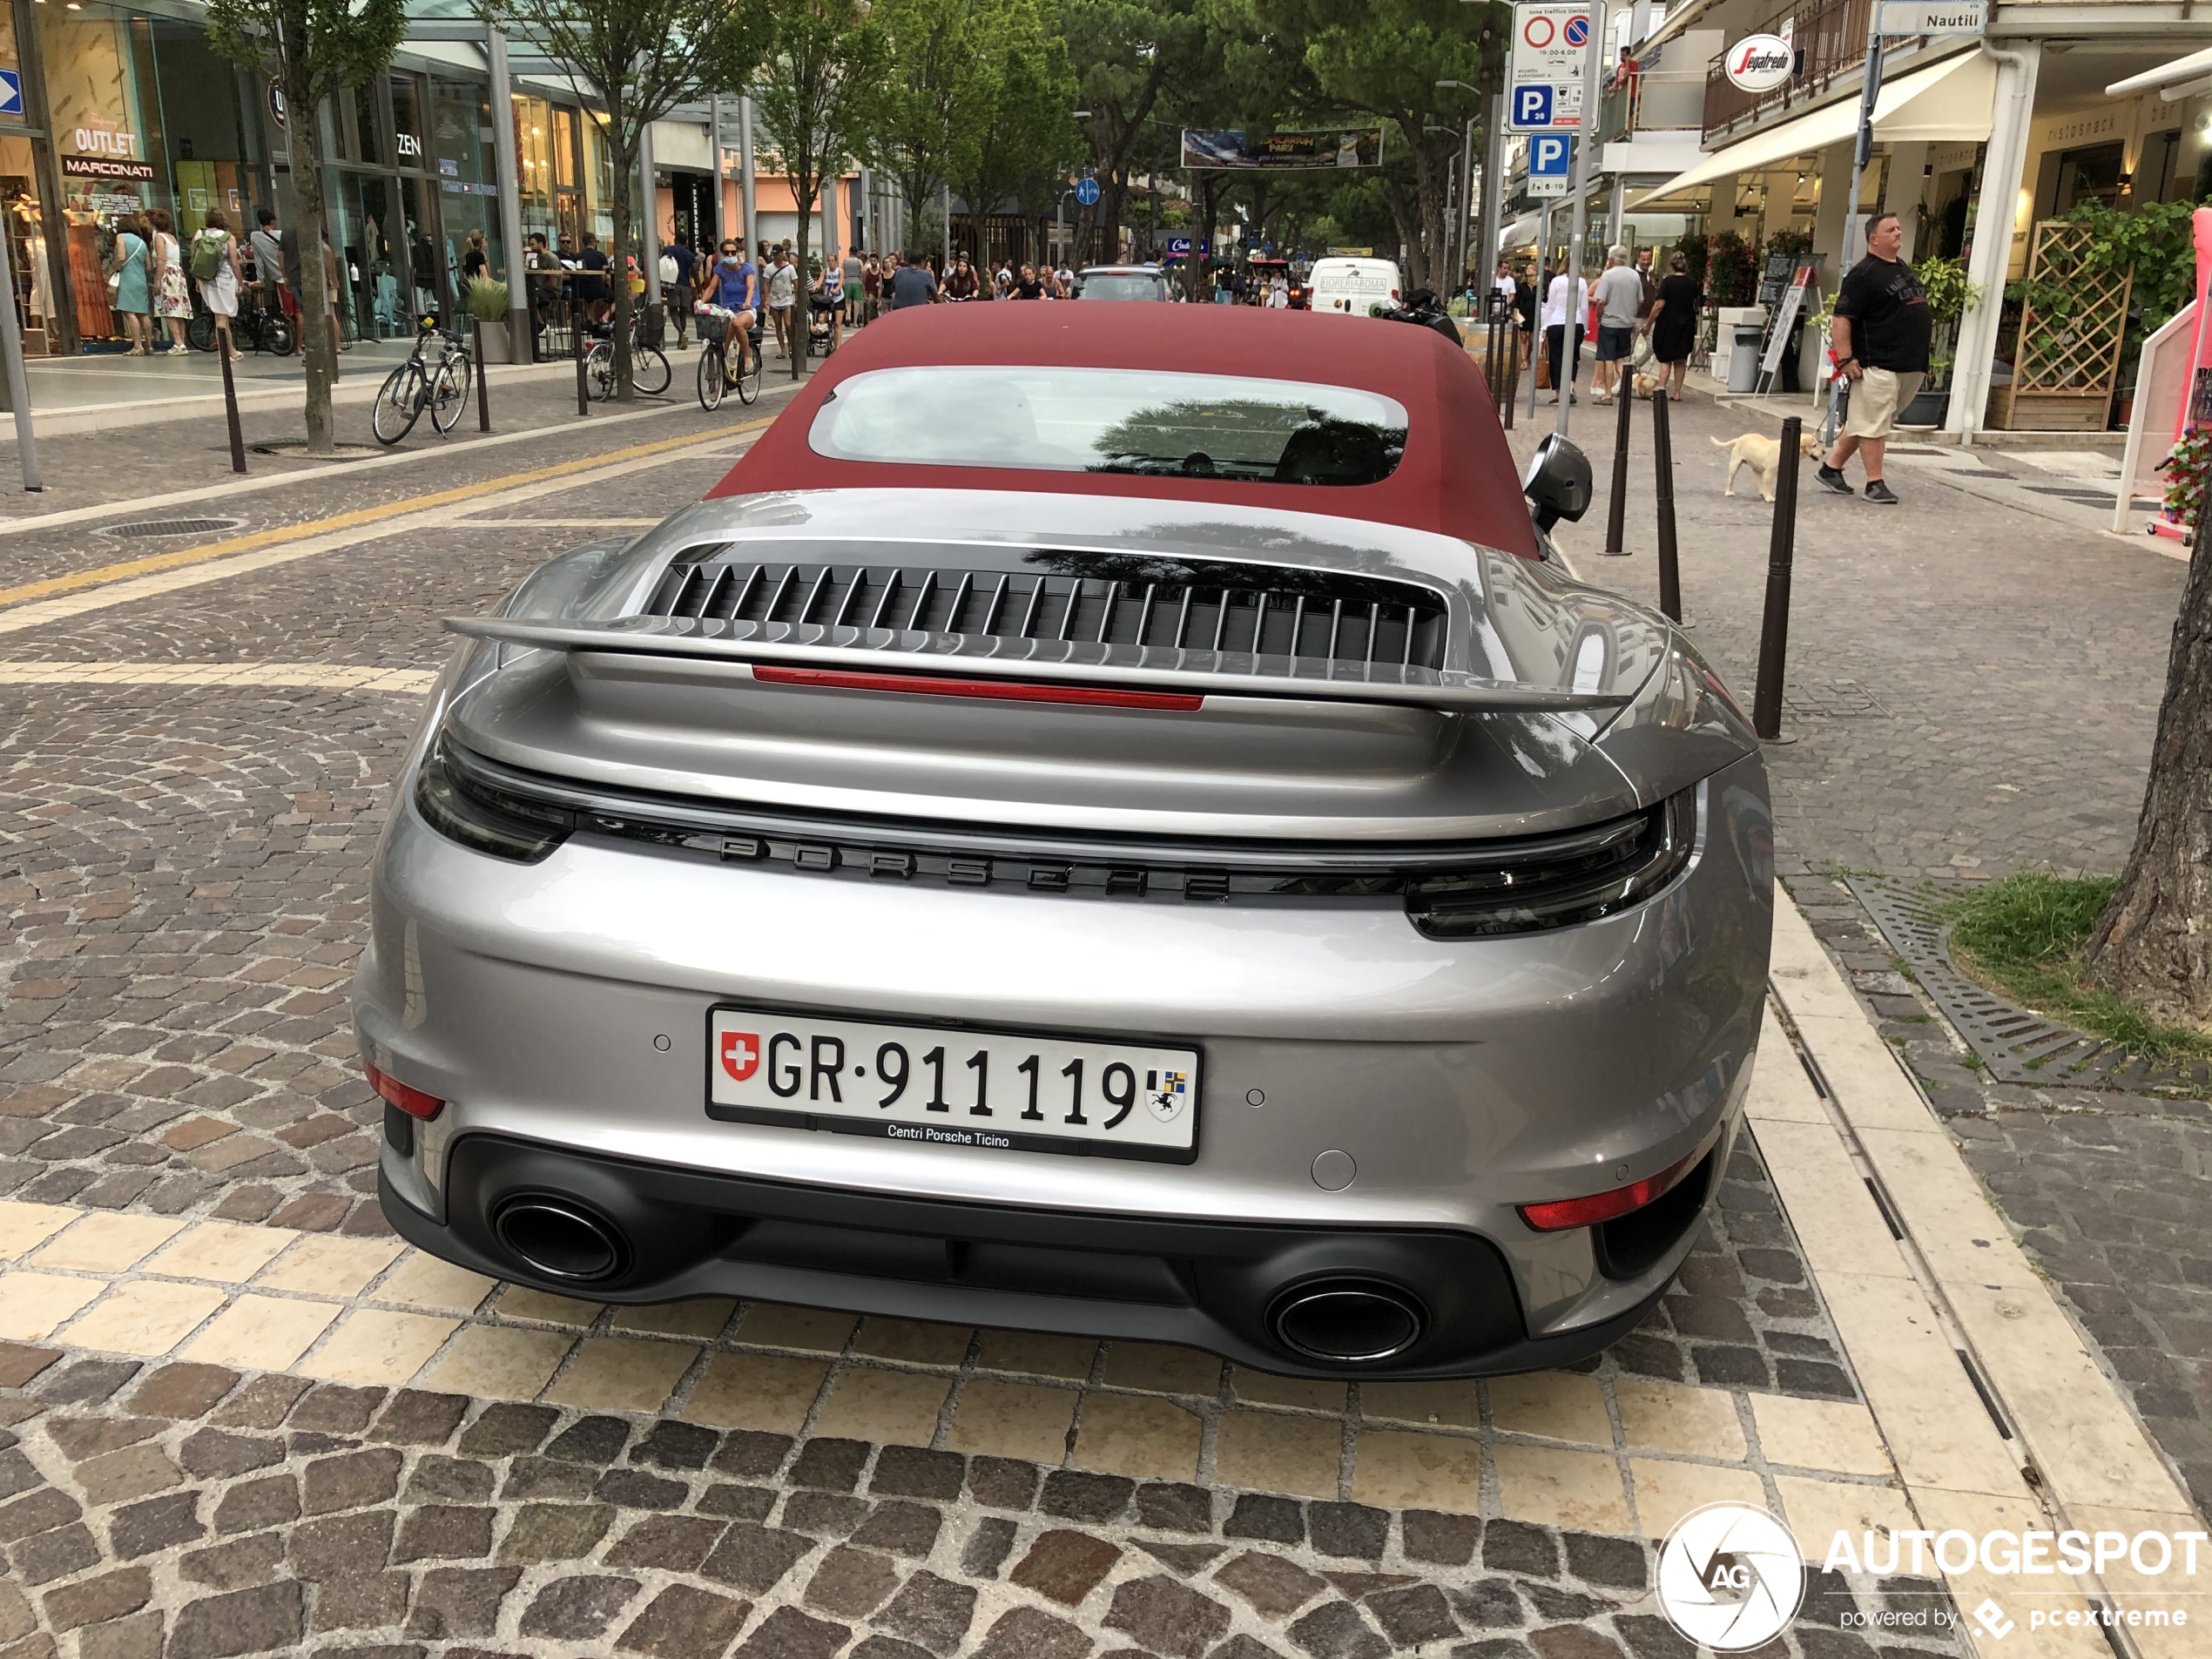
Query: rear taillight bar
[[413, 1101], [1561, 1214]]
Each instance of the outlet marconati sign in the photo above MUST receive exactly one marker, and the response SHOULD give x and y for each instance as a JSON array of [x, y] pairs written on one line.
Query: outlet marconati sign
[[1758, 63]]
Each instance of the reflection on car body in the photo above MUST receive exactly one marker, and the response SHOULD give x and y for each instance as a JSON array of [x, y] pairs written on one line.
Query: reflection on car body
[[1164, 856]]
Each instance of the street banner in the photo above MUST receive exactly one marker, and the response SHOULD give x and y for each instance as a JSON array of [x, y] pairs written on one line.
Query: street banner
[[1324, 147]]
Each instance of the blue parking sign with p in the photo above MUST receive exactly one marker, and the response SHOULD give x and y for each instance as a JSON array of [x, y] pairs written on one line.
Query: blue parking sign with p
[[1532, 106], [10, 92], [1548, 154]]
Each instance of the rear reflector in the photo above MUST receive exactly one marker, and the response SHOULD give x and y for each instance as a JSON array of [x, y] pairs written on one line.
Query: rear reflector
[[1563, 1213], [413, 1101], [1003, 690]]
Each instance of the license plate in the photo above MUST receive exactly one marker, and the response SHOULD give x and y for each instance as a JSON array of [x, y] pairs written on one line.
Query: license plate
[[945, 1086]]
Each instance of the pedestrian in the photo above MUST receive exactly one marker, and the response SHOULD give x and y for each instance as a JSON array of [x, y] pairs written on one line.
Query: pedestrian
[[1673, 324], [1619, 297], [1882, 332], [1064, 281], [214, 268], [1524, 310], [475, 262], [593, 294], [1565, 302], [1002, 283], [679, 276], [268, 249], [783, 295], [1028, 284], [912, 285], [288, 262], [826, 298], [963, 284], [871, 290], [130, 284], [852, 272], [172, 291]]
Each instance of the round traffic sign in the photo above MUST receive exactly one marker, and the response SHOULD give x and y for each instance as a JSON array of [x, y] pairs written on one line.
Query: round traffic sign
[[1578, 31], [1087, 191], [1537, 31]]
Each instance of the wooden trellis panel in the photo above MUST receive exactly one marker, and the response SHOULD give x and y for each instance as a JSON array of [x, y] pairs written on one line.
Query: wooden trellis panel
[[2064, 369]]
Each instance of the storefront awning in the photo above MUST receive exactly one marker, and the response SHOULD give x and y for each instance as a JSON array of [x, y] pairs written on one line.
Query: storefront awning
[[2181, 78], [1946, 103], [1517, 233]]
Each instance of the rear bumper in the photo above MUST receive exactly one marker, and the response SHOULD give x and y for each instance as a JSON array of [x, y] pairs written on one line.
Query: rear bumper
[[1215, 1286]]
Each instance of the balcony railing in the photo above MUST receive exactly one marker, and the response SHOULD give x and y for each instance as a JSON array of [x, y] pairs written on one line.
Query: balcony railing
[[1832, 39], [1652, 103]]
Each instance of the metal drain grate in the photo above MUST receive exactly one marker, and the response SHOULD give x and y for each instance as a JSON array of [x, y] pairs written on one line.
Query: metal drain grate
[[2017, 1045], [172, 527], [1835, 700]]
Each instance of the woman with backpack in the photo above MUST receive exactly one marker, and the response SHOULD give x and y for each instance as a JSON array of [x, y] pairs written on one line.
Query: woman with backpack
[[133, 295], [215, 268], [171, 295]]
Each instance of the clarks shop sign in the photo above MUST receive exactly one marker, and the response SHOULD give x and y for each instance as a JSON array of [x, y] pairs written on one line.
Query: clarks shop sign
[[1758, 63]]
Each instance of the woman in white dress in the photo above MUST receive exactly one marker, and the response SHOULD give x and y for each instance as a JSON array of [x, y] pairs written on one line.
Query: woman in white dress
[[215, 246], [172, 293]]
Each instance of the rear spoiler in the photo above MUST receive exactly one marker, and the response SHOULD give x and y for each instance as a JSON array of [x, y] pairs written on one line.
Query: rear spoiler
[[1443, 690]]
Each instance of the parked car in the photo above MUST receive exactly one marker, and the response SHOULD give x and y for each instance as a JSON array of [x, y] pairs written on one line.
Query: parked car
[[1122, 282], [1086, 829], [1352, 286]]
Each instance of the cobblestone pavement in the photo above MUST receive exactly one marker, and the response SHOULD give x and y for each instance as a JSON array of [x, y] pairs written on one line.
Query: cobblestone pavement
[[1971, 692]]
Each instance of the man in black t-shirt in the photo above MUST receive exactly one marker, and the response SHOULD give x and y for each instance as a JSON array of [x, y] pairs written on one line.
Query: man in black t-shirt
[[1882, 335]]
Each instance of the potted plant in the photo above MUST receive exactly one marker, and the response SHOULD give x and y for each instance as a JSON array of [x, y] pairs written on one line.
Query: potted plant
[[487, 303], [1949, 295]]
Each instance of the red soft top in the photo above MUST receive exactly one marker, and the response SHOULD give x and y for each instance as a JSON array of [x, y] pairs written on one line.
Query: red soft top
[[1456, 477]]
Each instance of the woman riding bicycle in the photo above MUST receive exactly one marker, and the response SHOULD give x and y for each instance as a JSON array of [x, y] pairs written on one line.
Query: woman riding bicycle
[[730, 288]]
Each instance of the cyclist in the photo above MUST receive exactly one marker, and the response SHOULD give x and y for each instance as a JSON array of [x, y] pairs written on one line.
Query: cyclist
[[730, 288]]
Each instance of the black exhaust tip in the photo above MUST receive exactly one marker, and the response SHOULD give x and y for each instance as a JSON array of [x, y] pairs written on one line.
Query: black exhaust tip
[[558, 1238], [1348, 1321]]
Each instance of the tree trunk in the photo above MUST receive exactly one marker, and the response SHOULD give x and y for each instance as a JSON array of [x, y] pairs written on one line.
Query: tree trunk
[[626, 167], [806, 186], [316, 302], [2154, 943]]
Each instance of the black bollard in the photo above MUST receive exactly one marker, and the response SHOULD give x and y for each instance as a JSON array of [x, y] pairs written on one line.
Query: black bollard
[[1774, 631], [1512, 349], [1662, 455], [483, 391], [576, 334], [230, 404], [1617, 513]]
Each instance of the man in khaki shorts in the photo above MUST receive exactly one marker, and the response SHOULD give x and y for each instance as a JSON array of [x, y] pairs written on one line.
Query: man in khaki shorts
[[1882, 335]]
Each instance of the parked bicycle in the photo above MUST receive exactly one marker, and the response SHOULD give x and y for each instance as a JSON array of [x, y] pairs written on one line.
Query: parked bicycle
[[257, 327], [715, 373], [649, 370], [436, 378]]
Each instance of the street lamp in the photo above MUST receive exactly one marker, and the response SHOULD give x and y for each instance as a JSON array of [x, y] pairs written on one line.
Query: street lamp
[[1491, 159], [1060, 206]]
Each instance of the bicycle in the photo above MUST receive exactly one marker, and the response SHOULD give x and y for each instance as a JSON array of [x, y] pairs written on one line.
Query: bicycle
[[714, 364], [258, 326], [419, 383], [649, 370]]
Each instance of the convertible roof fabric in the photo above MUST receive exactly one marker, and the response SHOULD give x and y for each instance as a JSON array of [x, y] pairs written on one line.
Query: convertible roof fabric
[[1456, 477]]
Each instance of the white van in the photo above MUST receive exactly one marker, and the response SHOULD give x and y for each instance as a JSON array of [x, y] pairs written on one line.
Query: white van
[[1352, 286]]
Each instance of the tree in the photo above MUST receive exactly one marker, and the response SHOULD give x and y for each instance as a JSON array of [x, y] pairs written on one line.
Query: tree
[[311, 49], [2154, 943], [642, 57], [941, 51], [1131, 56], [818, 95], [1018, 138]]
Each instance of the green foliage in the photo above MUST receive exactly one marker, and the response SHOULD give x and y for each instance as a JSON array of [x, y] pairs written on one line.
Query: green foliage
[[2185, 468], [2025, 936], [485, 300], [1949, 292], [1789, 242], [1016, 138], [1695, 252], [1732, 269]]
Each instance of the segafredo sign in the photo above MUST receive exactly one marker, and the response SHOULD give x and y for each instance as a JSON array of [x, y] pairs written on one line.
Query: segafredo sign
[[1758, 63]]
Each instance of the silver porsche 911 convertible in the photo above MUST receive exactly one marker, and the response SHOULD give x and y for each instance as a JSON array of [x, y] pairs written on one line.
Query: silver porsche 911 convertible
[[1092, 827]]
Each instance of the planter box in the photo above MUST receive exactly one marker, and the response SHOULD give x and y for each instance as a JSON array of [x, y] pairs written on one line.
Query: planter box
[[497, 348], [1927, 409]]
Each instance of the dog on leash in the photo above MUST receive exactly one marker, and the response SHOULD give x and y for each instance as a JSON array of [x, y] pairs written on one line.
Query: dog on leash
[[1762, 456], [1648, 384]]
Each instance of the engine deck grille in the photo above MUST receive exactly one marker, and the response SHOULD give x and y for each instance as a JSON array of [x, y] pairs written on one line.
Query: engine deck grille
[[1186, 605]]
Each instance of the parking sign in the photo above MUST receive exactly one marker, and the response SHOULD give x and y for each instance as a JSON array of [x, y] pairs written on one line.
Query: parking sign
[[1544, 69], [1549, 155]]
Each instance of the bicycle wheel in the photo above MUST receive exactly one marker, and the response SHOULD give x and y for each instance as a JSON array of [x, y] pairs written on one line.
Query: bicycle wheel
[[711, 377], [399, 400], [648, 371], [749, 374], [599, 372], [464, 368], [449, 395], [200, 333], [278, 335]]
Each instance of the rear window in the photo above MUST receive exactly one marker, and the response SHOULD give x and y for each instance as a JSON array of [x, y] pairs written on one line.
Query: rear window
[[1115, 421], [1122, 287]]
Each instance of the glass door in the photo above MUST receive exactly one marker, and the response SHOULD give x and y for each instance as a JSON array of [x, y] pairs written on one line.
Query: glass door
[[374, 281]]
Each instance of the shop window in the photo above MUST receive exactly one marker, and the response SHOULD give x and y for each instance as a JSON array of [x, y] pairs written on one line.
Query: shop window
[[368, 125], [407, 125]]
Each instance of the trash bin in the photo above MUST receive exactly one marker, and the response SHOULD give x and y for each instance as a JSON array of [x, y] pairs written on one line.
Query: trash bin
[[1744, 358]]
